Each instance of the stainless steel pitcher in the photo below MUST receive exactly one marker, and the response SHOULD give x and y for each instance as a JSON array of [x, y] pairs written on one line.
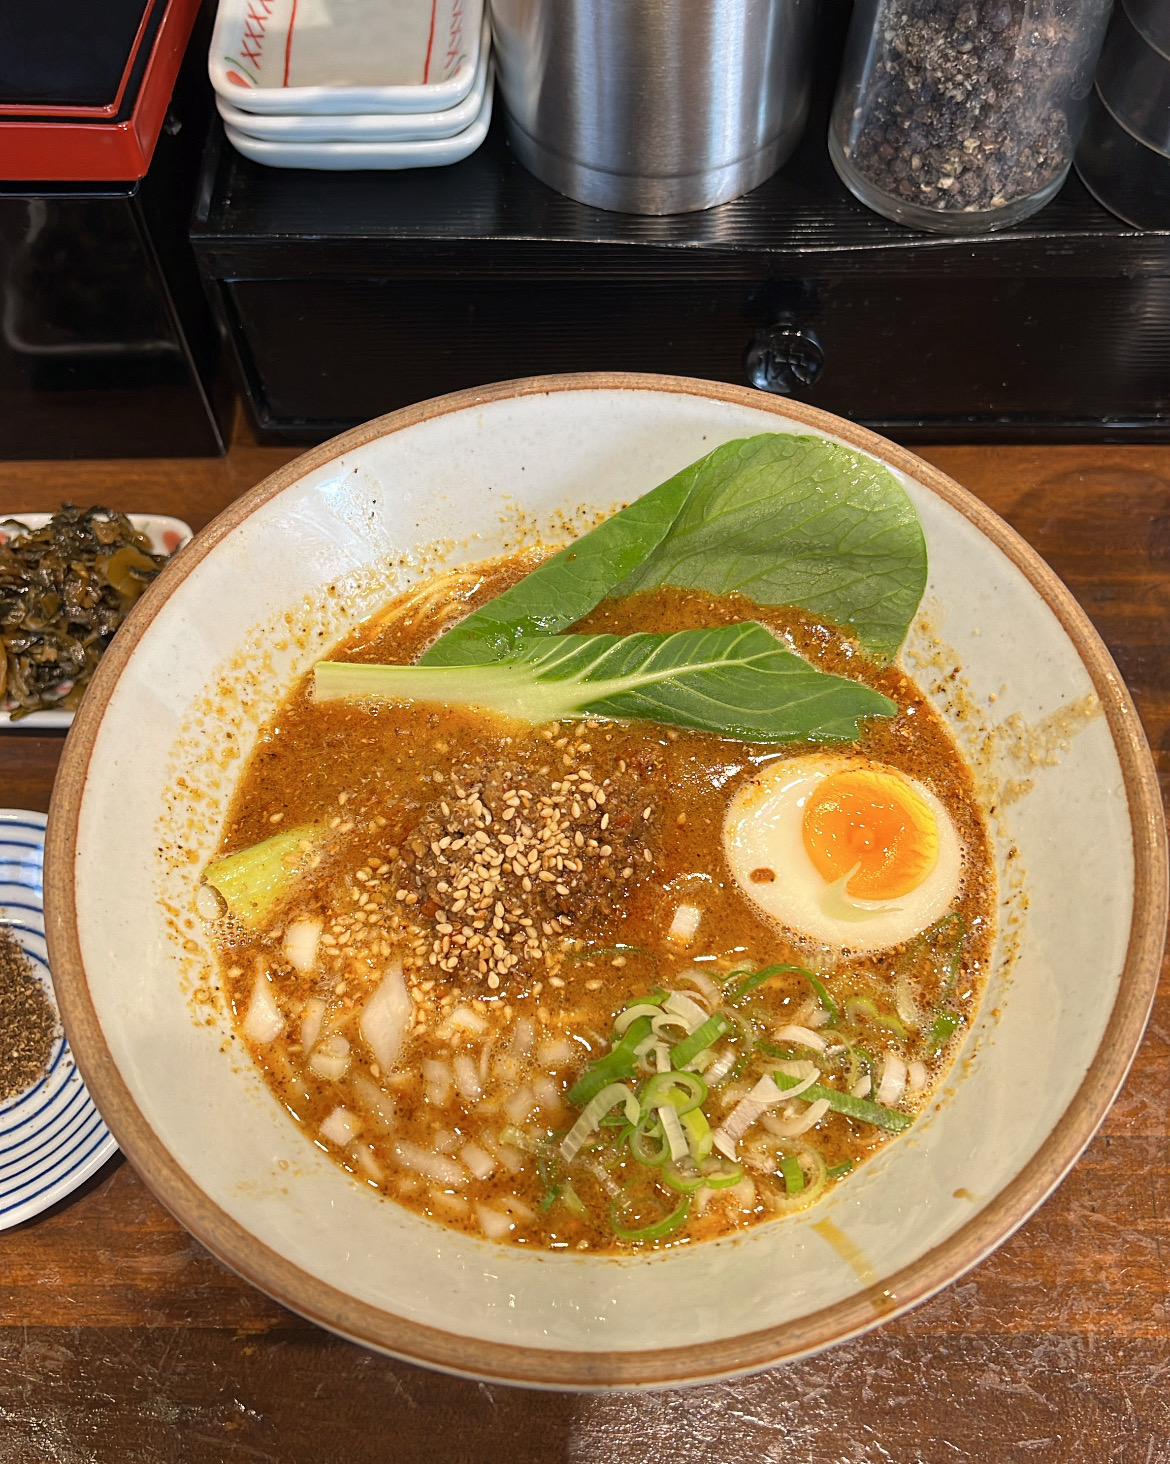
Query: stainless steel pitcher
[[653, 106]]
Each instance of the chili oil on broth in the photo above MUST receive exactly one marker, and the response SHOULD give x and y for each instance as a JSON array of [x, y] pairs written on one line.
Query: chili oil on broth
[[624, 821]]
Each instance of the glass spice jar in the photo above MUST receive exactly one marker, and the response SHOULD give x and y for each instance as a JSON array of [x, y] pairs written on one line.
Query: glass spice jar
[[962, 116]]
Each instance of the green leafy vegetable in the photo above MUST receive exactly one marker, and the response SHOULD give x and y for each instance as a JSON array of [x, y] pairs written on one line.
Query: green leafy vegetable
[[780, 518], [737, 680], [788, 520], [255, 881], [564, 588], [889, 1119]]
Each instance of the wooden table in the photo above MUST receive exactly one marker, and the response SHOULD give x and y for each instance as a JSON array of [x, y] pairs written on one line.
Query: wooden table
[[122, 1340]]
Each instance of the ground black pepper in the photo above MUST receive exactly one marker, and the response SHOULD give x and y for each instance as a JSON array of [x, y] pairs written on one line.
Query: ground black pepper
[[966, 105], [28, 1023]]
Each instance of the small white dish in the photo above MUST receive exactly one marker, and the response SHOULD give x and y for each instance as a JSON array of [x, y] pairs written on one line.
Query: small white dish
[[436, 152], [52, 1138], [293, 57], [365, 126], [167, 536]]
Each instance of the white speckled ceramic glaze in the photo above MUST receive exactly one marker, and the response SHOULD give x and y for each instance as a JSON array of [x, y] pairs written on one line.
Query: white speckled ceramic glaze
[[1034, 1080]]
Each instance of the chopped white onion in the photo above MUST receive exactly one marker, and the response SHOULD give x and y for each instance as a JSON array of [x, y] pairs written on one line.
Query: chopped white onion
[[523, 1035], [804, 1036], [331, 1059], [517, 1106], [861, 1088], [661, 1057], [377, 1103], [915, 1077], [494, 1223], [892, 1082], [440, 1083], [444, 1141], [478, 1160], [453, 1204], [263, 1021], [300, 943], [685, 923], [429, 1164], [340, 1127], [744, 1193], [467, 1077], [363, 1157], [470, 1021], [509, 1156], [385, 1018], [548, 1095], [554, 1054], [506, 1068], [311, 1019]]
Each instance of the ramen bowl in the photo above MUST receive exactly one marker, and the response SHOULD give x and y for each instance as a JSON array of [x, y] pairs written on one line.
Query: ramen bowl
[[1000, 647]]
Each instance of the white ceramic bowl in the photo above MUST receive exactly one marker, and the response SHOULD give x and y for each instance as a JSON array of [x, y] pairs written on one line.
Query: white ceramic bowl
[[212, 647]]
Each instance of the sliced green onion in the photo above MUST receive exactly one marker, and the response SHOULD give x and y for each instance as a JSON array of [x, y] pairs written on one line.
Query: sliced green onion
[[549, 1201], [682, 1006], [647, 1131], [822, 995], [596, 1109], [863, 1006], [684, 1090], [572, 1200], [792, 1173], [632, 1013], [702, 1037], [658, 1230], [720, 1173], [655, 999], [838, 1170], [673, 1129], [942, 1029], [614, 1067], [698, 1132], [757, 978], [889, 1119], [681, 1176]]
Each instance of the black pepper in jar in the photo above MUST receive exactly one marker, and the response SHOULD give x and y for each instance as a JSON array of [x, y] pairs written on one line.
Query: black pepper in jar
[[28, 1023], [963, 106]]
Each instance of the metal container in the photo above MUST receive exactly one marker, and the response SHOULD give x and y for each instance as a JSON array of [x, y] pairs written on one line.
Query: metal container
[[653, 106]]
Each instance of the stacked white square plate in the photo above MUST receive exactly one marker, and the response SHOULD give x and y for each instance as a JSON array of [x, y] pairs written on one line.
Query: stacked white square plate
[[344, 84]]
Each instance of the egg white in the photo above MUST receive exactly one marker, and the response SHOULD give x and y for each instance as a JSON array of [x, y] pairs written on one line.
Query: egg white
[[763, 830]]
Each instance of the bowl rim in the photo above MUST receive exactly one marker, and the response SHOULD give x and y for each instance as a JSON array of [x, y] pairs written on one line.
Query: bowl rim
[[667, 1366]]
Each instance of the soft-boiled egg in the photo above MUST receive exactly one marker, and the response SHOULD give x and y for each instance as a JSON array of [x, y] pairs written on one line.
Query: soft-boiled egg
[[843, 850]]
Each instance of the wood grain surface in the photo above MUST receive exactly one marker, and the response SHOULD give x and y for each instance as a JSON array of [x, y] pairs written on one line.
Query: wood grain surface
[[122, 1340]]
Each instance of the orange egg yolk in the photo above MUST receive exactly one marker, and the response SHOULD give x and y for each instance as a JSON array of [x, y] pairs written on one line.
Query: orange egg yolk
[[873, 822]]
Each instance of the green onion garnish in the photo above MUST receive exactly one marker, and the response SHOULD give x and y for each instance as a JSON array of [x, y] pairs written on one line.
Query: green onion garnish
[[942, 1029], [614, 1067], [839, 1169], [703, 1036], [889, 1119], [658, 1230], [792, 1172]]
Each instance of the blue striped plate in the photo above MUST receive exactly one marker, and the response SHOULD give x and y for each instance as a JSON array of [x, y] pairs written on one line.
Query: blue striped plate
[[52, 1138]]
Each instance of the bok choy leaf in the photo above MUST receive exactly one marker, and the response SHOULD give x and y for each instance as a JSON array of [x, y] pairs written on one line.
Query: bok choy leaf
[[782, 519], [738, 680]]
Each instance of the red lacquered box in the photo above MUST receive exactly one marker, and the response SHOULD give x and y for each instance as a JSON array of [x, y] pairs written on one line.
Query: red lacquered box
[[110, 133]]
